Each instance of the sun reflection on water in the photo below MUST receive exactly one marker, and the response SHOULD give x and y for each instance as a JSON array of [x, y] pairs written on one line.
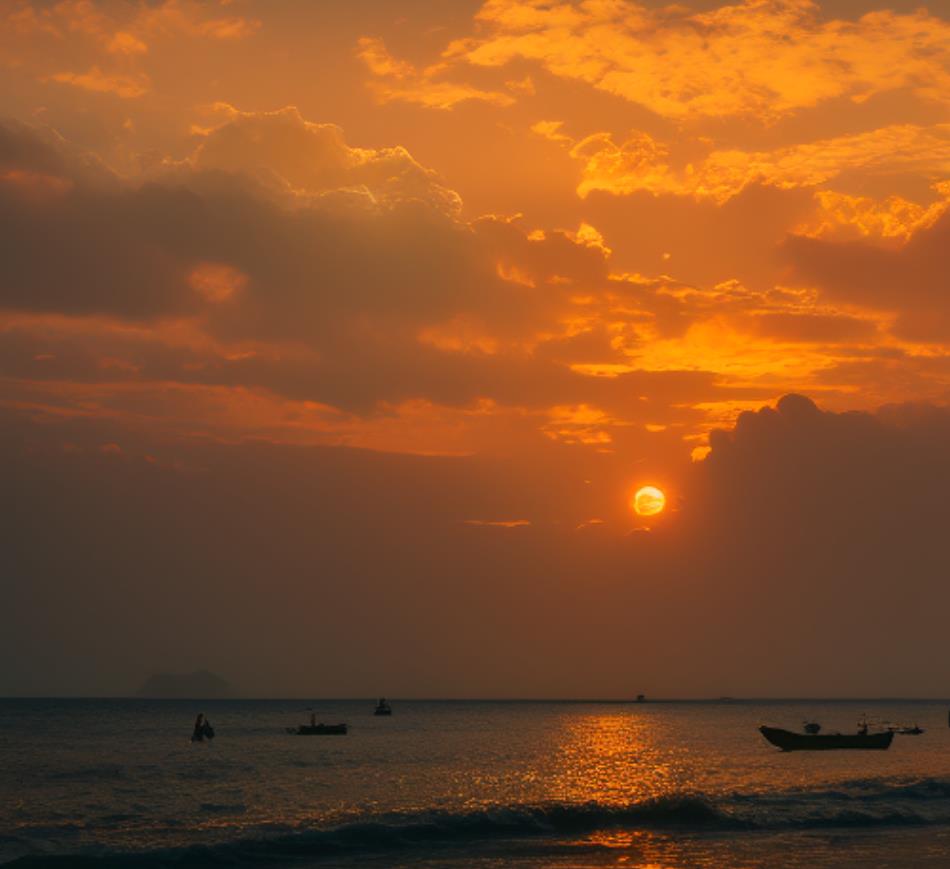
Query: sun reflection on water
[[611, 759]]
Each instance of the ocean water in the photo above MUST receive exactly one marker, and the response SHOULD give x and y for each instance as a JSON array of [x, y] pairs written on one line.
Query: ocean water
[[118, 783]]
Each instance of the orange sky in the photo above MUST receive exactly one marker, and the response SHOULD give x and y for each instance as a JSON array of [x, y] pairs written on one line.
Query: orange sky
[[549, 233]]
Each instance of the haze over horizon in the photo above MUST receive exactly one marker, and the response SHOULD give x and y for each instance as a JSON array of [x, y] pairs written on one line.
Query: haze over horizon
[[335, 341]]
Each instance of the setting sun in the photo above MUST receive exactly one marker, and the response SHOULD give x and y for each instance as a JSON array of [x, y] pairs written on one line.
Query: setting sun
[[649, 501], [551, 357]]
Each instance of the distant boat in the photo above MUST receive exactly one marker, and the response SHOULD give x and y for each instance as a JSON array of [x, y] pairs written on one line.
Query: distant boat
[[318, 730], [787, 740], [641, 698], [383, 707], [906, 731]]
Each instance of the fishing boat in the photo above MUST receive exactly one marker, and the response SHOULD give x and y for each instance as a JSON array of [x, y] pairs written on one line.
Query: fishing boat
[[906, 730], [318, 730], [383, 707], [788, 740]]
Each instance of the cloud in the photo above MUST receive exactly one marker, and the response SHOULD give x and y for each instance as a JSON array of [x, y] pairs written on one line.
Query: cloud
[[816, 328], [281, 264], [189, 18], [909, 281], [334, 293], [125, 86], [108, 43], [400, 81], [807, 521], [841, 217], [759, 58], [126, 43], [641, 163], [123, 27], [314, 160]]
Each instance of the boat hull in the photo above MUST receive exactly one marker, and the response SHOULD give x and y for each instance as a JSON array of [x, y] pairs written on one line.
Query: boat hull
[[787, 740]]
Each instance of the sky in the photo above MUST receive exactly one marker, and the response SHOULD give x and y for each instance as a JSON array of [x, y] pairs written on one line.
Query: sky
[[335, 339]]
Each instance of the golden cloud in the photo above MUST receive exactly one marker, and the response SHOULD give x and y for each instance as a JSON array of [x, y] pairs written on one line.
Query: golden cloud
[[399, 81], [842, 217], [758, 58], [641, 163], [309, 162], [394, 325]]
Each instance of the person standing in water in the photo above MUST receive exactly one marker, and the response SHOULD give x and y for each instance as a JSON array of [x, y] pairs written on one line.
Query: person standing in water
[[198, 733]]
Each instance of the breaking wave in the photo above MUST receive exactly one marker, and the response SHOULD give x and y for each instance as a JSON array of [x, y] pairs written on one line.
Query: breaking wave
[[856, 804]]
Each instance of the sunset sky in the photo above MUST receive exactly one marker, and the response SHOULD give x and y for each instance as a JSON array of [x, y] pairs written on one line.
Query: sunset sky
[[353, 327]]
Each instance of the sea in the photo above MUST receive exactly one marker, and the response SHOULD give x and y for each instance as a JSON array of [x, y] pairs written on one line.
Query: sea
[[119, 783]]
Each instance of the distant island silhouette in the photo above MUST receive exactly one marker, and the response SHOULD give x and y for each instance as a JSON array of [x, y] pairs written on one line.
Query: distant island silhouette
[[200, 684]]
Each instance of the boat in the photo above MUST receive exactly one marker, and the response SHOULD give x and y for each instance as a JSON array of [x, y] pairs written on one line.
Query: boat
[[318, 730], [903, 730], [788, 740], [383, 707]]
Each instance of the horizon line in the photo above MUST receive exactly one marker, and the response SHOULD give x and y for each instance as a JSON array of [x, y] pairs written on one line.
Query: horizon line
[[724, 699]]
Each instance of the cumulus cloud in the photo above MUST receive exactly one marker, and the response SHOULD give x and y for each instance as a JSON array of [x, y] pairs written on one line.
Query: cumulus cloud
[[288, 152], [247, 266], [822, 531]]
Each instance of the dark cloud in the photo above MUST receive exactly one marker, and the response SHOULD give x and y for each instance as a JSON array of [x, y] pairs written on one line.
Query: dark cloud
[[704, 243], [334, 261], [820, 536], [910, 281], [820, 328]]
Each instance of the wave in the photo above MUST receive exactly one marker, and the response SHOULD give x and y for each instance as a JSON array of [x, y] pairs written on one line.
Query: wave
[[855, 805]]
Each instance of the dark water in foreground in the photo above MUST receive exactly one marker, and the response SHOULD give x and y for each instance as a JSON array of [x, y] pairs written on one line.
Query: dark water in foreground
[[481, 784]]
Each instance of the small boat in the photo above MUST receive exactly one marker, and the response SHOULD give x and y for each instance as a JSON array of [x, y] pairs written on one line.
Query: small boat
[[903, 730], [383, 707], [788, 740], [318, 730]]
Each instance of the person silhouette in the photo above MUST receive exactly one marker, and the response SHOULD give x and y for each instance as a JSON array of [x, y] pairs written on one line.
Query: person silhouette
[[198, 734]]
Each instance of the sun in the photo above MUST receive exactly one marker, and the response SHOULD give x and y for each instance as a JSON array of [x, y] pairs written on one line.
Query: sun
[[649, 501]]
